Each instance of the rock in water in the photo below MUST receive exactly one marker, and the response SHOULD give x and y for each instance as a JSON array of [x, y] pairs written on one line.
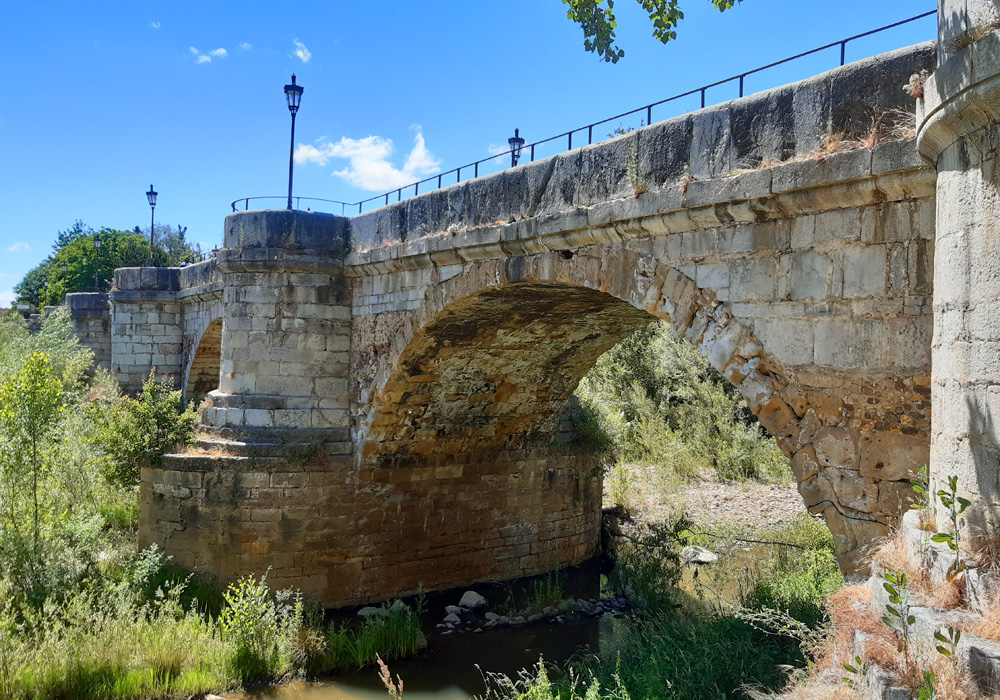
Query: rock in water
[[472, 600], [372, 612], [697, 555]]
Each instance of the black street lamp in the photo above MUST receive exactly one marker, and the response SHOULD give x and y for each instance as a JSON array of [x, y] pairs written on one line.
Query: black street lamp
[[293, 95], [97, 252], [151, 196], [516, 144]]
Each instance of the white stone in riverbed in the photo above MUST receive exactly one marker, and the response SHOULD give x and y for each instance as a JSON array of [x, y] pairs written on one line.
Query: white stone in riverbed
[[472, 600], [697, 555]]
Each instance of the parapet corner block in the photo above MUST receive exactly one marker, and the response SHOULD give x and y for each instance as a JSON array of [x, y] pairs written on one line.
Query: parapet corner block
[[285, 229]]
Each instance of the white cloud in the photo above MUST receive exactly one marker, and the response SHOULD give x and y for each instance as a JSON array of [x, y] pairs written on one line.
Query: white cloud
[[246, 46], [154, 25], [369, 165], [19, 247], [502, 153], [7, 299], [301, 51], [200, 57]]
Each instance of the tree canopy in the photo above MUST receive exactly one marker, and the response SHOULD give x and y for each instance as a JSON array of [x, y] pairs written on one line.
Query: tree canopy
[[87, 265], [599, 23]]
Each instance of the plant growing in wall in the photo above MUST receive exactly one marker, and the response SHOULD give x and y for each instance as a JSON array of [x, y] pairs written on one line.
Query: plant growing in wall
[[639, 185], [956, 505]]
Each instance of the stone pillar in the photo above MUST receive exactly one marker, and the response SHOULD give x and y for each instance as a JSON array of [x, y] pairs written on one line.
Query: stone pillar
[[91, 314], [286, 328], [958, 134], [147, 325]]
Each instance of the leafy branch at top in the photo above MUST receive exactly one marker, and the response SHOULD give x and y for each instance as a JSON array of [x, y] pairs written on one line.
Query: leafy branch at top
[[599, 24]]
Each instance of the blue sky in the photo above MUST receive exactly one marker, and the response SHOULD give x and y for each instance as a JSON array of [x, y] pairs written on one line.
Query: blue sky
[[101, 99]]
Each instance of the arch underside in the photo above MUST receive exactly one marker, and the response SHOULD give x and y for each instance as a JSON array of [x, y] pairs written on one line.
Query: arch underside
[[203, 373]]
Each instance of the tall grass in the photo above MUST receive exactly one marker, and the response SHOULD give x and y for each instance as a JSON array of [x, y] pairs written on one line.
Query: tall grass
[[393, 635]]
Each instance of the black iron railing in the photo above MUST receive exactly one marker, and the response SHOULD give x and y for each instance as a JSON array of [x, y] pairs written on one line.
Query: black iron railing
[[455, 175]]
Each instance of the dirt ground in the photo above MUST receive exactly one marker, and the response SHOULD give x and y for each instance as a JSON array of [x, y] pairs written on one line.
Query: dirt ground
[[712, 501]]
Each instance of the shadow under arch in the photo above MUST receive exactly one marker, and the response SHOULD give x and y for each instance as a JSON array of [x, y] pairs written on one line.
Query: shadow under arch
[[467, 392], [203, 370]]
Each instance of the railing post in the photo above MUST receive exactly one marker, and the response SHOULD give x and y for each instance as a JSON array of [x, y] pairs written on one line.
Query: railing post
[[703, 98], [532, 153], [741, 85], [570, 134], [590, 134], [843, 52], [649, 115]]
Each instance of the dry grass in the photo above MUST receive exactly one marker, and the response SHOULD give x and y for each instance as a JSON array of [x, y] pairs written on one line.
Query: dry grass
[[199, 450], [892, 555], [959, 41], [988, 626], [984, 552]]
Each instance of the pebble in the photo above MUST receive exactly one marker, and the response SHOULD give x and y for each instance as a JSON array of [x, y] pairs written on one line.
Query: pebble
[[452, 618], [471, 599], [453, 610]]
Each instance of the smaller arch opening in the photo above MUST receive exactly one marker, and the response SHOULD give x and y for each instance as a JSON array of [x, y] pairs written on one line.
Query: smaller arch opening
[[203, 376]]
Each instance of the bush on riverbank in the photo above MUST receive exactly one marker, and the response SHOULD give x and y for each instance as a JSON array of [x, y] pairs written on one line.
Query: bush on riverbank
[[655, 400]]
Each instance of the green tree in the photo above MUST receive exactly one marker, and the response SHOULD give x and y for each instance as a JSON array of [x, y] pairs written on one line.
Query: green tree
[[599, 24], [48, 283], [30, 405]]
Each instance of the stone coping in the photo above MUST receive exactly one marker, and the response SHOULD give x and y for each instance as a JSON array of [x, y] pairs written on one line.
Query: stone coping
[[892, 171], [961, 97]]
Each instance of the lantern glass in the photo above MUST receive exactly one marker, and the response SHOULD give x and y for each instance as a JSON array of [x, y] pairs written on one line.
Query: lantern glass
[[151, 196], [293, 95], [97, 241]]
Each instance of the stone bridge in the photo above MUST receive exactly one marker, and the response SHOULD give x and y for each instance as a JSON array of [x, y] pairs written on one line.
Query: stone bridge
[[387, 394]]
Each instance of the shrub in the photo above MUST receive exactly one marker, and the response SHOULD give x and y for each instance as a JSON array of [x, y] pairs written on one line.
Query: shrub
[[658, 401], [131, 431]]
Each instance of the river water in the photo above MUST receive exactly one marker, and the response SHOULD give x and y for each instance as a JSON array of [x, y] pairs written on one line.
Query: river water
[[453, 666]]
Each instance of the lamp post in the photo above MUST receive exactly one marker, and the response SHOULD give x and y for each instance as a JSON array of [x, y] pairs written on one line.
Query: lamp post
[[293, 95], [516, 143], [97, 251], [151, 196]]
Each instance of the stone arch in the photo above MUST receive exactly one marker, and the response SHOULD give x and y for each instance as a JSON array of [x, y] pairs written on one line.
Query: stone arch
[[601, 275], [472, 381], [202, 375]]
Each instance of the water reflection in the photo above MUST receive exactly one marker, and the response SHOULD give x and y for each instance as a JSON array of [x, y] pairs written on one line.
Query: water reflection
[[452, 667]]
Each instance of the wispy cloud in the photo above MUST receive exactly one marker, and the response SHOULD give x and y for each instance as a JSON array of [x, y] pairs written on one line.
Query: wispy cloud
[[301, 51], [369, 165], [154, 25], [200, 57], [19, 247], [246, 46], [7, 298]]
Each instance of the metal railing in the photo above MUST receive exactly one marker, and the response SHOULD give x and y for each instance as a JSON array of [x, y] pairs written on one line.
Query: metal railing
[[298, 200], [446, 177]]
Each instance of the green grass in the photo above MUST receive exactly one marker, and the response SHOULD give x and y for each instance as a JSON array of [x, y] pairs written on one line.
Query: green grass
[[392, 636]]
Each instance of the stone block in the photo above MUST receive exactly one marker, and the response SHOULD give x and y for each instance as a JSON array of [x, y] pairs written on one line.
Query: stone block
[[810, 273], [864, 271]]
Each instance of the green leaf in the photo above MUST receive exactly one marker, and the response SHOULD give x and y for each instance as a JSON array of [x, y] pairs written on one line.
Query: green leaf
[[943, 651], [942, 537], [940, 637]]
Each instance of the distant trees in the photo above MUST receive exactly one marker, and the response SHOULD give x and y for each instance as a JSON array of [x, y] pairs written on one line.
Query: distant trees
[[599, 24], [48, 282]]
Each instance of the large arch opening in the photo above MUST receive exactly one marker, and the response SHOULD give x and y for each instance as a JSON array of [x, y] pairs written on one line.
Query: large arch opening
[[471, 471], [203, 375]]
